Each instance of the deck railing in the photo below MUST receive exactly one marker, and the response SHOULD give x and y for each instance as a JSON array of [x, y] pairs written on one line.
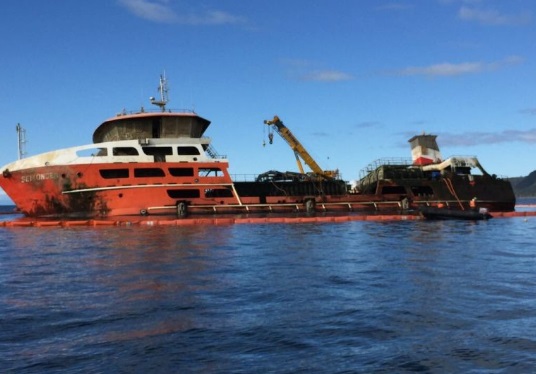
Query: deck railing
[[384, 161]]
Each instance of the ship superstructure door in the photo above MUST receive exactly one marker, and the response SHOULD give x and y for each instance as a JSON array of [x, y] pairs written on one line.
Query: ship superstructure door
[[156, 127]]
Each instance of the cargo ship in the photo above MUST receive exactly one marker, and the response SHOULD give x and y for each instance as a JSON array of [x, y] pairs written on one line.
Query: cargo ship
[[160, 163]]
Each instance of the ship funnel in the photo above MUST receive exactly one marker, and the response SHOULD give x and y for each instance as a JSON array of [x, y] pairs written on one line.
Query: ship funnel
[[424, 150]]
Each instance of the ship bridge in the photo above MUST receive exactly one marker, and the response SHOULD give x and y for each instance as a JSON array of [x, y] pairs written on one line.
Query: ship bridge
[[155, 125]]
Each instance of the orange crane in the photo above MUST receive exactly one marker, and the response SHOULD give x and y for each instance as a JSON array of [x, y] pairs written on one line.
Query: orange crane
[[299, 150]]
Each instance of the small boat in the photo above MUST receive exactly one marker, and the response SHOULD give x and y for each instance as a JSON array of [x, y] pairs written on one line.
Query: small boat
[[430, 212]]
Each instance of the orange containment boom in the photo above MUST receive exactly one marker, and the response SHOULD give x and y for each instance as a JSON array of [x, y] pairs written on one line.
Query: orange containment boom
[[231, 221]]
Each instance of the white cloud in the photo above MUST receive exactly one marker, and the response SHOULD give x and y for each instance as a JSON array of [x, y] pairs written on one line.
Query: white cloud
[[162, 12], [213, 17], [157, 11], [452, 69], [306, 70], [327, 76], [477, 138], [493, 17], [444, 69]]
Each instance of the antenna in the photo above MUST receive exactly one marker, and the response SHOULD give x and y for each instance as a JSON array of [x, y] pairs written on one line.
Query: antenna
[[21, 135], [163, 90]]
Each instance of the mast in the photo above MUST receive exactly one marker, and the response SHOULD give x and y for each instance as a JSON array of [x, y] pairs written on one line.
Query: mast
[[21, 135], [163, 90]]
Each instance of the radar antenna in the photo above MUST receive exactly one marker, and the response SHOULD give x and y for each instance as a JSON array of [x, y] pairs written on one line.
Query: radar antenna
[[163, 90], [21, 135]]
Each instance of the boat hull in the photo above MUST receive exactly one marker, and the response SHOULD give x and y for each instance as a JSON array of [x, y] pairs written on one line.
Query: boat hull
[[110, 189], [81, 191], [100, 190]]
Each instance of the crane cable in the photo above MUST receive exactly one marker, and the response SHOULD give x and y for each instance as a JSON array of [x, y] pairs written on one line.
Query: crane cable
[[450, 186], [263, 136], [270, 136]]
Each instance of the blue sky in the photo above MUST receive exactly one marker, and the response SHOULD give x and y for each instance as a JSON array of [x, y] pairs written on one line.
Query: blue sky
[[353, 79]]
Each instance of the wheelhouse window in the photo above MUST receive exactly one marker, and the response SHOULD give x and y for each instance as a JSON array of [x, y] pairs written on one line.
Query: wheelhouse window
[[210, 172], [113, 173], [125, 151], [181, 172], [157, 151], [188, 151], [148, 172]]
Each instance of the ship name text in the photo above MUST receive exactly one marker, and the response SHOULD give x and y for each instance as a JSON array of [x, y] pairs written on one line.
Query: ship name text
[[38, 177]]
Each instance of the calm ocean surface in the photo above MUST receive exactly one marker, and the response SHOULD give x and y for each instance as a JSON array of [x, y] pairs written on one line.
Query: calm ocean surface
[[353, 297]]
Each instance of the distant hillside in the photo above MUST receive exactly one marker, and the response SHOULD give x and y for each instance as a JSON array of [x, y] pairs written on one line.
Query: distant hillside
[[525, 186]]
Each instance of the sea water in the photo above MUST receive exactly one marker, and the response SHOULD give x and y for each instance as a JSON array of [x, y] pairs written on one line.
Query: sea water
[[352, 297]]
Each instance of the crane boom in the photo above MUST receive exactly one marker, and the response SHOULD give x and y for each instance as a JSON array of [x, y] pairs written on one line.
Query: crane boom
[[299, 150]]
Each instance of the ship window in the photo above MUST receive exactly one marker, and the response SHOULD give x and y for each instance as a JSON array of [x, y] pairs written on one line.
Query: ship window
[[181, 172], [210, 172], [148, 172], [157, 151], [92, 152], [393, 190], [422, 190], [218, 192], [183, 194], [125, 151], [113, 173], [188, 151]]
